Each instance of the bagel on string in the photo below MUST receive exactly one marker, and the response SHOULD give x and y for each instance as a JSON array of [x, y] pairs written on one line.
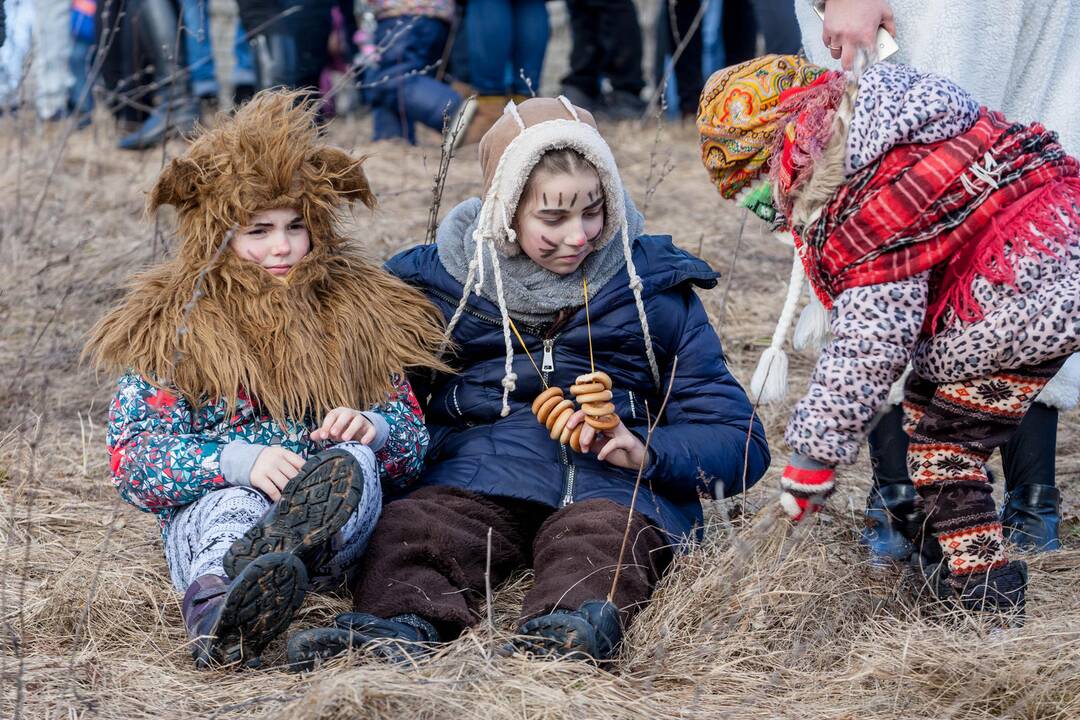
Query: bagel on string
[[593, 393], [554, 411]]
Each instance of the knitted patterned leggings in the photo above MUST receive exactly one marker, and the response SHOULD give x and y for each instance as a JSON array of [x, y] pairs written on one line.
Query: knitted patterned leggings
[[954, 428], [198, 536]]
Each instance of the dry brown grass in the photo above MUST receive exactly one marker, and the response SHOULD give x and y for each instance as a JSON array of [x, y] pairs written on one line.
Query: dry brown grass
[[748, 625]]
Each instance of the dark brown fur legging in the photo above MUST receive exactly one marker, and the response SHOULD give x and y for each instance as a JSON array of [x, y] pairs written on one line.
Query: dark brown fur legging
[[954, 428], [429, 553]]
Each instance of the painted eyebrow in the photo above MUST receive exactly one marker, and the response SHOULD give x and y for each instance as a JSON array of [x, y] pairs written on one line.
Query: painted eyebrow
[[594, 203]]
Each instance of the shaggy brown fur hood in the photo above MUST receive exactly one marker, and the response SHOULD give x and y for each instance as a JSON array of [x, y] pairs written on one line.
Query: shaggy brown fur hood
[[331, 333]]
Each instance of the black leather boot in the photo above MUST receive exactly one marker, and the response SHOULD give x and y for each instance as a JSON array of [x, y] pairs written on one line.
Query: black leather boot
[[1001, 591], [176, 111], [890, 506], [170, 118], [592, 632], [400, 639], [275, 57], [1031, 513]]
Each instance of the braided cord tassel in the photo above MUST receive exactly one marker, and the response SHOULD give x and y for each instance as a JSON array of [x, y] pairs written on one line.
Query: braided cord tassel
[[635, 287], [509, 381], [469, 278]]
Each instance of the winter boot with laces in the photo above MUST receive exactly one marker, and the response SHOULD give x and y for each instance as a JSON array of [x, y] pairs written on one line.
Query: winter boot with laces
[[314, 506], [401, 639]]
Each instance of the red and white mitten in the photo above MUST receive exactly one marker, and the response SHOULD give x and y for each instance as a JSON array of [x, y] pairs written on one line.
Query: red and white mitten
[[806, 485]]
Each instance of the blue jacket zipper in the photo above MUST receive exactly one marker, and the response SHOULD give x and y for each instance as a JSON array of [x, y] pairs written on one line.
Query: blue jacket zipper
[[548, 360]]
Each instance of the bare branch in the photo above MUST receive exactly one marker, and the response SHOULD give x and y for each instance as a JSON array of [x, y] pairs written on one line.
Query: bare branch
[[637, 482], [452, 127]]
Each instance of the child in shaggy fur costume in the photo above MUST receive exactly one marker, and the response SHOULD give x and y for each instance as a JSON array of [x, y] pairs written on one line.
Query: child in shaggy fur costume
[[243, 357], [937, 232], [503, 491]]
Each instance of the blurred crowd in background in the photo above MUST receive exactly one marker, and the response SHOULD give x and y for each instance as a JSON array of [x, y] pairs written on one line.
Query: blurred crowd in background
[[151, 66]]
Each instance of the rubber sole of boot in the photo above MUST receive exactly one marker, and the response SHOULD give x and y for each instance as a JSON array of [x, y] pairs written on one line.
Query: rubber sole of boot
[[565, 636], [313, 506], [259, 607]]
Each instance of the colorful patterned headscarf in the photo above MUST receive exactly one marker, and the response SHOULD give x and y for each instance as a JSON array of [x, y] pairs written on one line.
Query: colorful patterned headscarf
[[739, 120]]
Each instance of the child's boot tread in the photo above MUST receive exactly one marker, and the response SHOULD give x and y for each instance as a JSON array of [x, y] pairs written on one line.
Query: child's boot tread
[[313, 506], [259, 606]]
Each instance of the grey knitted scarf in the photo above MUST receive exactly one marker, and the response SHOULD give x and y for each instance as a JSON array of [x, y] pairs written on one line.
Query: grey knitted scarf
[[533, 294]]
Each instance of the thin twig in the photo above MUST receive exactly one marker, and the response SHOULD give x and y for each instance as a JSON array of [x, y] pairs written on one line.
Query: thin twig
[[84, 616], [348, 78], [487, 586], [673, 20], [99, 63], [24, 576], [170, 99], [452, 127], [637, 481], [650, 186], [69, 286], [731, 269], [527, 81], [448, 48]]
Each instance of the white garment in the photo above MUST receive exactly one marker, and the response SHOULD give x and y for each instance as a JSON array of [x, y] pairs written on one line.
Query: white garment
[[45, 26], [52, 56], [1021, 57], [19, 19]]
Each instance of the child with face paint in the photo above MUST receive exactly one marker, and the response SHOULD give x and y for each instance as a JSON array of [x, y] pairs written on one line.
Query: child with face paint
[[554, 216]]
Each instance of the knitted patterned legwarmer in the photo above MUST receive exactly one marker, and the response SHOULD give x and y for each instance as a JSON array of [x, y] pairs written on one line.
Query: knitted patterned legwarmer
[[201, 533], [954, 428]]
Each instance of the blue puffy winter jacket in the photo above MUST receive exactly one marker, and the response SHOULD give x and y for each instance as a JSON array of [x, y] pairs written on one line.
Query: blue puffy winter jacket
[[698, 447]]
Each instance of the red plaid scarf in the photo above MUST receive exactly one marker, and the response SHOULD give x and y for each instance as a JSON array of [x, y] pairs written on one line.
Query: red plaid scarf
[[952, 207]]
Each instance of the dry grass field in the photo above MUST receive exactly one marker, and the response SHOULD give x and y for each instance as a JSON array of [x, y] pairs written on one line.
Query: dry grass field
[[750, 625]]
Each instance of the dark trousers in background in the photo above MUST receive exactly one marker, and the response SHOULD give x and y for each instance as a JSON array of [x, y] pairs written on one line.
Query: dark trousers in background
[[507, 41], [606, 39], [688, 72], [429, 554], [399, 99]]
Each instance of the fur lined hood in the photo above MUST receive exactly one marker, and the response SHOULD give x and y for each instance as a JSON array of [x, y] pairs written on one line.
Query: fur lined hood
[[211, 325]]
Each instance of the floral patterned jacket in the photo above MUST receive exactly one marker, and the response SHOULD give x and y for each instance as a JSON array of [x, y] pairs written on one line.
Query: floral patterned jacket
[[165, 454]]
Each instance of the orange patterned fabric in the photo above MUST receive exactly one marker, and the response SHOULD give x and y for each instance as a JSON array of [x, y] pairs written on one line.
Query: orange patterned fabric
[[738, 117]]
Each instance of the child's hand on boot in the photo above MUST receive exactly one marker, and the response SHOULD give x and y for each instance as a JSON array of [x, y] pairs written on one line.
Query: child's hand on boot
[[617, 446], [273, 469], [806, 485], [344, 424]]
